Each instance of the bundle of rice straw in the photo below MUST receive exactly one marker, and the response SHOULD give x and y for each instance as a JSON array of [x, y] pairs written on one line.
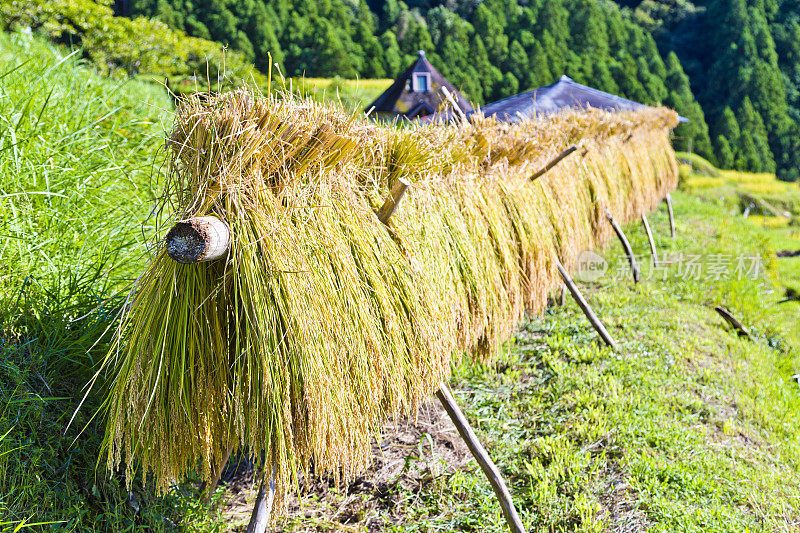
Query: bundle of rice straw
[[320, 324]]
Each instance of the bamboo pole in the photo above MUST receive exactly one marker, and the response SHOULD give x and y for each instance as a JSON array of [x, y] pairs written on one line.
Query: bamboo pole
[[668, 199], [392, 202], [456, 109], [626, 245], [446, 398], [576, 294], [653, 251], [198, 239], [734, 323], [482, 457], [208, 489], [262, 509], [553, 162]]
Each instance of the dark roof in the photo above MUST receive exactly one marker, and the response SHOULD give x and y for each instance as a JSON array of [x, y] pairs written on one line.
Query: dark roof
[[399, 99], [563, 94]]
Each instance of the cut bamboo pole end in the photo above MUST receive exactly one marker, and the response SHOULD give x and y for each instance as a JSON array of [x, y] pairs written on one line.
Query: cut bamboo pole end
[[668, 199], [553, 162], [392, 202], [587, 310], [626, 245], [482, 458], [650, 239], [198, 239]]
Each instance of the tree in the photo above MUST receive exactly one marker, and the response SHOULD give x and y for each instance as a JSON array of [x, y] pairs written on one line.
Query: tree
[[264, 39], [681, 99], [392, 58], [754, 143], [508, 86], [725, 157]]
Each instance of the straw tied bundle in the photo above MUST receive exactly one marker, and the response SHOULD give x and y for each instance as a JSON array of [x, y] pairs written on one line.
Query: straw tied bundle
[[319, 323]]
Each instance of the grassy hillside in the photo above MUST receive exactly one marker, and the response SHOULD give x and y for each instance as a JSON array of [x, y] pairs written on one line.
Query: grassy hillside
[[75, 172], [686, 428], [771, 205]]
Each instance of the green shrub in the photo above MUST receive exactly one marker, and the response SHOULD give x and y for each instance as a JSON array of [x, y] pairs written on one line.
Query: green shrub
[[123, 45]]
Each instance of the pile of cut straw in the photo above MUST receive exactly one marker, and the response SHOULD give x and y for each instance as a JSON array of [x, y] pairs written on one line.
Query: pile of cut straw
[[320, 323]]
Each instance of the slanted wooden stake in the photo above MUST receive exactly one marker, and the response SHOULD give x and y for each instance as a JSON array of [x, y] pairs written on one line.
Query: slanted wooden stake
[[209, 488], [198, 239], [576, 294], [450, 405], [626, 245], [482, 458], [646, 225], [668, 199], [392, 202], [262, 509], [734, 323], [447, 94], [553, 162]]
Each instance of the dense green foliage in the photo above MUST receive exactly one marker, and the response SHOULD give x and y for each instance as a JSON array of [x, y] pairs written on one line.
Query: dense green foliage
[[735, 65], [75, 169], [743, 59], [116, 45], [495, 48]]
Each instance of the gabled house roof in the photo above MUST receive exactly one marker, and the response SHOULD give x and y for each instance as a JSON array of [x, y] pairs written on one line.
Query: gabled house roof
[[563, 94], [416, 92]]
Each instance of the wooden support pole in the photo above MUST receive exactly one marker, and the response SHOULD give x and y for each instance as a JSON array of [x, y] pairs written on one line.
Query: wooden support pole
[[653, 251], [576, 294], [483, 459], [392, 202], [450, 405], [447, 94], [626, 245], [734, 323], [556, 160], [209, 488], [668, 199], [259, 519], [198, 239]]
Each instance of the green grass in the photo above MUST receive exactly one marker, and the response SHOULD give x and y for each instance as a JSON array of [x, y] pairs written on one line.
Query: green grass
[[351, 93], [686, 428], [75, 171]]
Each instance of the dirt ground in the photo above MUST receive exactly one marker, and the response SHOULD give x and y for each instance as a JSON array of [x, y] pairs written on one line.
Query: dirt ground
[[412, 453]]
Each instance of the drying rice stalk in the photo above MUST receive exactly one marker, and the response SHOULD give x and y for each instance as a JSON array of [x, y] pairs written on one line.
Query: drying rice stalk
[[318, 324]]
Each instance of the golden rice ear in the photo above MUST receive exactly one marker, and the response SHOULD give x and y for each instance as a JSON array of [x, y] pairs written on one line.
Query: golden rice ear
[[317, 324]]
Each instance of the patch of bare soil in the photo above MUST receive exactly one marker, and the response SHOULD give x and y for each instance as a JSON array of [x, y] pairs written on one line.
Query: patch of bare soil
[[621, 510], [412, 453]]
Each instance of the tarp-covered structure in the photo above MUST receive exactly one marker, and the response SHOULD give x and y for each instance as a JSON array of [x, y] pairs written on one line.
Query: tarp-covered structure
[[563, 94]]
